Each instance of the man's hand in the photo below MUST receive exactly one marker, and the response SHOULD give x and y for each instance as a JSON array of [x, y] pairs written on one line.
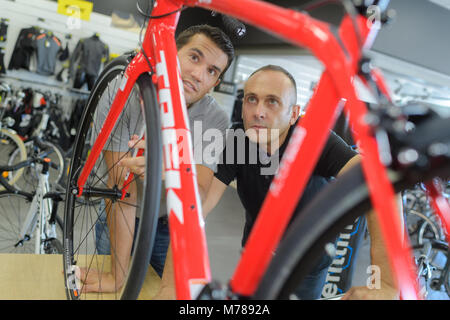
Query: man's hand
[[96, 281], [386, 292], [135, 164]]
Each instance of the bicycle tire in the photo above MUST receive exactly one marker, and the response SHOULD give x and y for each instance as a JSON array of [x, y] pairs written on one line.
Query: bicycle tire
[[338, 205], [19, 146], [30, 177], [14, 208], [149, 208]]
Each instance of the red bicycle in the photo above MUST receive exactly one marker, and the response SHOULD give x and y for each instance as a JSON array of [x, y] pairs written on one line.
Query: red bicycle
[[148, 83]]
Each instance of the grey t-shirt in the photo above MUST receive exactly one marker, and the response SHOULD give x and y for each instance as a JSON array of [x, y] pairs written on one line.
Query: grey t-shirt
[[47, 48], [207, 124]]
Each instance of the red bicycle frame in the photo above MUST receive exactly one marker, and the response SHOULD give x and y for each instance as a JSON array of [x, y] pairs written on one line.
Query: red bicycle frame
[[340, 60]]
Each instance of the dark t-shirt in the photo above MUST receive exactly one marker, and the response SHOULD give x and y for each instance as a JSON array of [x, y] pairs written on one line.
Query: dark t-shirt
[[252, 185], [23, 49], [89, 53]]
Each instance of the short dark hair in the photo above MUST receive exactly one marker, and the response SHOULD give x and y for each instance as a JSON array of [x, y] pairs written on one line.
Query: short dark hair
[[271, 67], [214, 34]]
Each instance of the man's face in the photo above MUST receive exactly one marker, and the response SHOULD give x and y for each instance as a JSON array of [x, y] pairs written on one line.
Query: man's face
[[201, 62], [266, 108]]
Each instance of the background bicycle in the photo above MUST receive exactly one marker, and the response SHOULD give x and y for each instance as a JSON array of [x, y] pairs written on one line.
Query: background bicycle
[[428, 239], [37, 117], [10, 141], [29, 222]]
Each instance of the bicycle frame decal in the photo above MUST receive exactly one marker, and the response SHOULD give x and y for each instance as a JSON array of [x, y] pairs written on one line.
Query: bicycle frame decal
[[169, 138], [123, 83], [187, 233]]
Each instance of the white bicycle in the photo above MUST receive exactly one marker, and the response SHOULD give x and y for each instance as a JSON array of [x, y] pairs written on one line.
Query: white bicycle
[[28, 221]]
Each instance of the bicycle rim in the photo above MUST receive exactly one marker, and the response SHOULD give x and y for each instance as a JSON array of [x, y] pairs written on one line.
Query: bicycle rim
[[90, 241], [326, 216], [11, 143]]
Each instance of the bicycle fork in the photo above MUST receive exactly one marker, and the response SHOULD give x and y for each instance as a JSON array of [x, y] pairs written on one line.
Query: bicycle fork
[[36, 219]]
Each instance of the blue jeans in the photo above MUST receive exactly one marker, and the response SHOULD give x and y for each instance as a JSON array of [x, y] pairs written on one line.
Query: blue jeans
[[311, 286], [161, 243]]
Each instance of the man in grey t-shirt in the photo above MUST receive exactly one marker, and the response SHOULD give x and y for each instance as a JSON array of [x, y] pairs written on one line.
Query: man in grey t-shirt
[[204, 54]]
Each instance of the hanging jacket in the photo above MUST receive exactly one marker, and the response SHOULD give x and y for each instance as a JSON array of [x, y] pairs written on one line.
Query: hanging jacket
[[3, 29], [88, 56], [23, 49]]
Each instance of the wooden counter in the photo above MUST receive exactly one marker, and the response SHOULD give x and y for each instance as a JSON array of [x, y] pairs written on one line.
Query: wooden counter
[[40, 277]]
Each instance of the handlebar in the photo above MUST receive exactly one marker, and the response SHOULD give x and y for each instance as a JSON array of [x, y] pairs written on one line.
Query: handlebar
[[234, 26], [36, 159], [40, 158]]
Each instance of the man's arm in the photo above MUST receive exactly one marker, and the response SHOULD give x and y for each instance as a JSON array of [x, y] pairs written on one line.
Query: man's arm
[[378, 257], [213, 196], [121, 222]]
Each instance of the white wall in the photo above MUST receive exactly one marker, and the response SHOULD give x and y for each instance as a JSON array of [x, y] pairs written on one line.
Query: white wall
[[25, 13], [405, 80]]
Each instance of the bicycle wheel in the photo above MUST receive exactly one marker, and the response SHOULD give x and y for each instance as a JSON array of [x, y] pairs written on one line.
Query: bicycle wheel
[[30, 176], [337, 206], [14, 208], [11, 143], [94, 220]]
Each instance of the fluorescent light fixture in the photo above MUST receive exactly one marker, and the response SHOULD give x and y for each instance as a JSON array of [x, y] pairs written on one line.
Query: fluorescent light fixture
[[442, 3]]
